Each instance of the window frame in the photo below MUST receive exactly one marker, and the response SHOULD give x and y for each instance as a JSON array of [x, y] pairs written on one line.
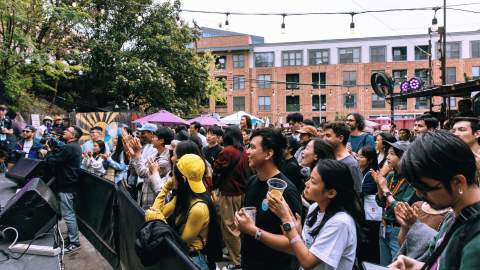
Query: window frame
[[289, 85], [236, 61], [399, 58], [289, 106], [263, 83], [472, 44], [264, 107], [447, 75], [297, 61], [378, 102], [349, 82], [218, 65], [353, 55], [235, 106], [267, 64], [416, 49], [384, 54], [313, 59], [238, 82], [345, 103], [323, 105], [320, 84]]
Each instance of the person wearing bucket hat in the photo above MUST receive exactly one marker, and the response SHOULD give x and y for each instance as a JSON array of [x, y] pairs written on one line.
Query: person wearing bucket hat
[[307, 133], [45, 128], [392, 190], [191, 213]]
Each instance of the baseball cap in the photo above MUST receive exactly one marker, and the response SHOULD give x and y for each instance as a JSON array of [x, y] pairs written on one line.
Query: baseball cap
[[148, 127], [307, 129], [29, 127], [192, 167], [400, 145], [47, 118]]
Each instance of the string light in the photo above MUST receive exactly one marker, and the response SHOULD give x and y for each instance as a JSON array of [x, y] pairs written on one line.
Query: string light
[[283, 23], [352, 24], [226, 19], [434, 27], [74, 4], [139, 18]]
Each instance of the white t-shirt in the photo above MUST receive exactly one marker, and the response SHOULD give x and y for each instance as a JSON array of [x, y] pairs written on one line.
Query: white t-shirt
[[27, 145], [336, 243]]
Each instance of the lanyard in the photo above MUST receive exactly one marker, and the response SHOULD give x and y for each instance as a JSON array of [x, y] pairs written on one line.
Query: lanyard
[[397, 186]]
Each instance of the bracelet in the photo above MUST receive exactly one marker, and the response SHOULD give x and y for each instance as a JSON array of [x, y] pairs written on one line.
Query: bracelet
[[258, 234], [295, 239]]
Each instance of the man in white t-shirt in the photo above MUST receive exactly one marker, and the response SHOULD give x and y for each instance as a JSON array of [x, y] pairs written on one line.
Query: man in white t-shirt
[[194, 129]]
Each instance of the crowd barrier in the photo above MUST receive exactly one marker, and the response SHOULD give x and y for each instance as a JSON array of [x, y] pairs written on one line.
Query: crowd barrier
[[109, 218]]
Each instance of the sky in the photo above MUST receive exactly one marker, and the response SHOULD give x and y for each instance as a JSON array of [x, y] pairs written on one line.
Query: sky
[[320, 27]]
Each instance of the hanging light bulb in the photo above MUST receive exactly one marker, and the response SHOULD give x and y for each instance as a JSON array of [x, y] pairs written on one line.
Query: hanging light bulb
[[283, 23], [139, 18], [330, 93], [352, 24], [434, 27], [226, 19], [102, 11], [74, 4]]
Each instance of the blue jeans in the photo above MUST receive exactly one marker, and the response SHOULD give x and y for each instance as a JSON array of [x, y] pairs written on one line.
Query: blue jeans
[[200, 261], [68, 214], [389, 245]]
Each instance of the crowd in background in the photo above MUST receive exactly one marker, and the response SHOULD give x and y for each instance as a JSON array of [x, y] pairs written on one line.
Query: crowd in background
[[391, 197]]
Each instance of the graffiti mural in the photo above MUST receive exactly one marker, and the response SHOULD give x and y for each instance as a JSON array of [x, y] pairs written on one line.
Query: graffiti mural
[[109, 121]]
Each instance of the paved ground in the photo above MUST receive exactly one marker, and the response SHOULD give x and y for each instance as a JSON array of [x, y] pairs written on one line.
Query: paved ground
[[87, 258]]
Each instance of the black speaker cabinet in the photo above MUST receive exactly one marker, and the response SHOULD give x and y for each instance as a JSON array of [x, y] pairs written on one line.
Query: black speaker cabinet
[[26, 169], [32, 211]]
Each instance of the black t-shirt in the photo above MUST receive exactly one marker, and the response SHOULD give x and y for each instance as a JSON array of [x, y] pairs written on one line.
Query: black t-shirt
[[211, 153], [291, 170], [256, 255]]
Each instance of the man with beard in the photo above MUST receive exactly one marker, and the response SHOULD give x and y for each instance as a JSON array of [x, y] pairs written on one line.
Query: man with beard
[[337, 134], [28, 146], [445, 180], [424, 123], [358, 138]]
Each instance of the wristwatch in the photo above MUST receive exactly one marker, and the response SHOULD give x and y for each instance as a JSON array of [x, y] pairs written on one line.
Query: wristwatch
[[287, 227], [387, 194]]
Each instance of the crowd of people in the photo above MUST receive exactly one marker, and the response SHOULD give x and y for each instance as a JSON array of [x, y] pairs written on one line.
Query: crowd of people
[[404, 199]]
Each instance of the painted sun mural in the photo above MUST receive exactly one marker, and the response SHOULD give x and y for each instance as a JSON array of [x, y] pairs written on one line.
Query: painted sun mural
[[109, 121]]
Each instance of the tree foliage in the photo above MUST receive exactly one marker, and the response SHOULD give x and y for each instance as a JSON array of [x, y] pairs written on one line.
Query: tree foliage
[[94, 54]]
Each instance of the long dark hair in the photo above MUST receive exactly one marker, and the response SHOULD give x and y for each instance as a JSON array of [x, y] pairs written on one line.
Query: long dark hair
[[118, 151], [187, 147], [386, 137], [323, 150], [248, 120], [371, 155], [233, 136], [336, 175], [101, 144]]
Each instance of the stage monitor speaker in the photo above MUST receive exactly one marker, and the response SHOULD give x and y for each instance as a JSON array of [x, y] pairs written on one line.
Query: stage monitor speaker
[[25, 169], [32, 211]]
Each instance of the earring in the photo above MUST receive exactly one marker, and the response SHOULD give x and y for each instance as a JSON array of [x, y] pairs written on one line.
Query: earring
[[460, 191]]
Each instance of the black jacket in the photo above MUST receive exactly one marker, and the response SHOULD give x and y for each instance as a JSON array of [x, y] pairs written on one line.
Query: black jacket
[[64, 165]]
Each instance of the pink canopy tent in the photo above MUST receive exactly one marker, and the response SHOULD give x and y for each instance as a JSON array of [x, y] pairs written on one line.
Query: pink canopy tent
[[207, 120], [162, 117]]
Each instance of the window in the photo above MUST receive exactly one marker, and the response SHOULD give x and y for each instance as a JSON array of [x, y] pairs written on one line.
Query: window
[[349, 55], [319, 80], [422, 103], [316, 120], [475, 48], [318, 57], [238, 61], [264, 59], [221, 62], [264, 104], [264, 81], [239, 103], [377, 102], [451, 75], [422, 73], [293, 103], [453, 50], [475, 73], [316, 103], [238, 82], [292, 81], [349, 101], [399, 76], [292, 58], [400, 103], [377, 70], [349, 78], [421, 52], [377, 54], [399, 53]]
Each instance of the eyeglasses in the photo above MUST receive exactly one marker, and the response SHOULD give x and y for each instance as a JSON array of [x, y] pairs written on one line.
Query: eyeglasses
[[26, 131]]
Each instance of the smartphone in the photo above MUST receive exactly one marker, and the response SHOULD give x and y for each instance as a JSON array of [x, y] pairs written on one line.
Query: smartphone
[[372, 266]]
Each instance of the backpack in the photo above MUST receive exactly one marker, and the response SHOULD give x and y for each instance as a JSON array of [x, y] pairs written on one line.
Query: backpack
[[150, 238]]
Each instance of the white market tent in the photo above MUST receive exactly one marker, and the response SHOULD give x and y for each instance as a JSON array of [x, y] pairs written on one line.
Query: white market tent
[[234, 119]]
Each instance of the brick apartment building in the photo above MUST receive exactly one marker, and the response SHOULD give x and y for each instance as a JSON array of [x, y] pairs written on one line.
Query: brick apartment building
[[271, 80]]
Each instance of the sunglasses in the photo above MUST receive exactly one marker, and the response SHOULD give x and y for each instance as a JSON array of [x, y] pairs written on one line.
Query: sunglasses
[[26, 131]]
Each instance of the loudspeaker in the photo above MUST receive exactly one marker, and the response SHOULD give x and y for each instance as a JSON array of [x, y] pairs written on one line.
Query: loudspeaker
[[32, 211], [26, 169]]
